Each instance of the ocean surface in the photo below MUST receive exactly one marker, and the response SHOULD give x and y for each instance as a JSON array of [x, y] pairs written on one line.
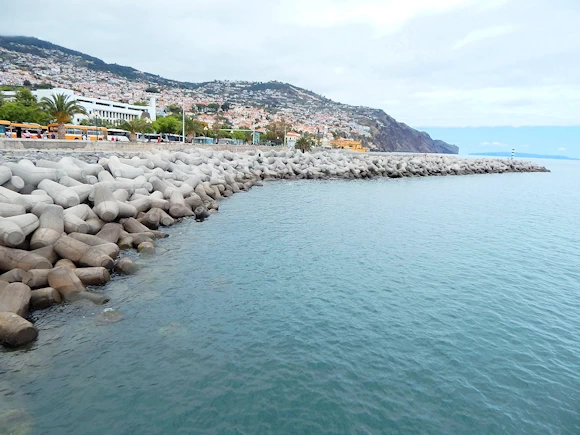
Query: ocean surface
[[444, 305]]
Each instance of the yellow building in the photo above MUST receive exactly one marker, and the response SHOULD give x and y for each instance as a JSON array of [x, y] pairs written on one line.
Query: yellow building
[[352, 145]]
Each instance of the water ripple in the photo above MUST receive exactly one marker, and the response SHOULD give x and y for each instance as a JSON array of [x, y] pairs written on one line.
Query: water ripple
[[431, 305]]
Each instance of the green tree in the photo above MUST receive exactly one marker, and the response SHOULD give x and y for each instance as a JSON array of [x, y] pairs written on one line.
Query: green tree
[[43, 86], [167, 124], [61, 109], [135, 126], [98, 122], [15, 112], [240, 135], [140, 103], [24, 108], [224, 133], [304, 144], [193, 127], [277, 130], [24, 96], [152, 90], [174, 109]]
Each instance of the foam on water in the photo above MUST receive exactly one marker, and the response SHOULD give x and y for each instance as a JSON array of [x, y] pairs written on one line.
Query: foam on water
[[434, 305]]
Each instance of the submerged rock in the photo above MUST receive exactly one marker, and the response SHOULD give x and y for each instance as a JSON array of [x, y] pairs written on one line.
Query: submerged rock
[[109, 315], [15, 422]]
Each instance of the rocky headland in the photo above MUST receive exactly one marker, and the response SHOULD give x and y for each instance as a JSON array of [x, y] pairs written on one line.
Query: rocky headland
[[66, 217]]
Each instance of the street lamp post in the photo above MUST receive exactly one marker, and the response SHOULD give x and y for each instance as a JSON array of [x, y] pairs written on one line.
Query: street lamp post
[[183, 123], [97, 125]]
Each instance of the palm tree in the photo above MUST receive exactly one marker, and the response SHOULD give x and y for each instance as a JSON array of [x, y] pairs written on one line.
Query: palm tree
[[134, 126], [303, 144], [61, 109]]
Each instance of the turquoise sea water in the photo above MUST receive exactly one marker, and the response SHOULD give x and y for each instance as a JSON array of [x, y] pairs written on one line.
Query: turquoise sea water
[[443, 305]]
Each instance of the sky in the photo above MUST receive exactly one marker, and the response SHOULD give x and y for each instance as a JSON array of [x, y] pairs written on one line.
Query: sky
[[461, 68]]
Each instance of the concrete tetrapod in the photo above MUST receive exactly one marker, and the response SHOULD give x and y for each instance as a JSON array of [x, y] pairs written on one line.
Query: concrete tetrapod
[[161, 203], [15, 298], [89, 168], [5, 174], [15, 184], [36, 278], [15, 258], [139, 238], [178, 208], [93, 275], [16, 331], [72, 171], [28, 222], [111, 249], [106, 205], [74, 224], [152, 218], [132, 225], [81, 253], [64, 196], [146, 248], [51, 227], [110, 232], [119, 169], [166, 220], [8, 210], [47, 252], [44, 297], [70, 287], [126, 266], [126, 210], [65, 262], [14, 275], [11, 234], [141, 204], [33, 175]]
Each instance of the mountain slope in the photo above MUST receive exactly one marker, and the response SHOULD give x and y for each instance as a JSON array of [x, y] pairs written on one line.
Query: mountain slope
[[299, 106]]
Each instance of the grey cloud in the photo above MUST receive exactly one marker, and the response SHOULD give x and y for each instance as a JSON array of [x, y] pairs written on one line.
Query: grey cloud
[[525, 74]]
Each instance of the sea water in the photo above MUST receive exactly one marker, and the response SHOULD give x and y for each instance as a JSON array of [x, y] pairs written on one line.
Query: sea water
[[443, 305]]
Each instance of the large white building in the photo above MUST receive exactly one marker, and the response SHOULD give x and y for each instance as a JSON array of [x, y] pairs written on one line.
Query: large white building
[[98, 109]]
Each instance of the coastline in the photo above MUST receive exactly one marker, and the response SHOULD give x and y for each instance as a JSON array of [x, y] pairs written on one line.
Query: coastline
[[65, 220]]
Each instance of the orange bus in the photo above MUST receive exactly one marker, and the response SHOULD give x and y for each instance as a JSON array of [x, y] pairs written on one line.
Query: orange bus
[[4, 128], [25, 130], [76, 132]]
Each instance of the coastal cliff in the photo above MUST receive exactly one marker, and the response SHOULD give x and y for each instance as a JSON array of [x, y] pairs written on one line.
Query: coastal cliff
[[390, 135]]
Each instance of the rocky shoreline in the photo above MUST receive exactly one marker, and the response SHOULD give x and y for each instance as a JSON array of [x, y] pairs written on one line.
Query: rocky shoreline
[[66, 217]]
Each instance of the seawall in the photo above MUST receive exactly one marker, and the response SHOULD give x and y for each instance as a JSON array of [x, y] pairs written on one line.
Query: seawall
[[108, 146]]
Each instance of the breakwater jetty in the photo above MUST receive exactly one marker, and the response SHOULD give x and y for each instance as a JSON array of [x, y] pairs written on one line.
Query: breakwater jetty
[[66, 217]]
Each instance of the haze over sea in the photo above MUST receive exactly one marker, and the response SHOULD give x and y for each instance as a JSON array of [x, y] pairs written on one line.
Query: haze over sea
[[426, 305]]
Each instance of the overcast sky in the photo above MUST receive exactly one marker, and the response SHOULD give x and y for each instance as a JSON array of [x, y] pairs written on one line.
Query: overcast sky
[[426, 62]]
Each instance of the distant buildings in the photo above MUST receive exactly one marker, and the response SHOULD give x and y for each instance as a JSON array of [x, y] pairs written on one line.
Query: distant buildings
[[292, 138], [352, 145], [250, 105], [97, 108], [102, 109]]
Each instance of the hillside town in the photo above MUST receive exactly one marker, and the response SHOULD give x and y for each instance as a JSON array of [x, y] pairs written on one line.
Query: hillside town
[[243, 105]]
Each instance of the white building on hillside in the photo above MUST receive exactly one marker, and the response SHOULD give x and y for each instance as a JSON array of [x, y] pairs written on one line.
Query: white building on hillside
[[97, 108], [291, 138]]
